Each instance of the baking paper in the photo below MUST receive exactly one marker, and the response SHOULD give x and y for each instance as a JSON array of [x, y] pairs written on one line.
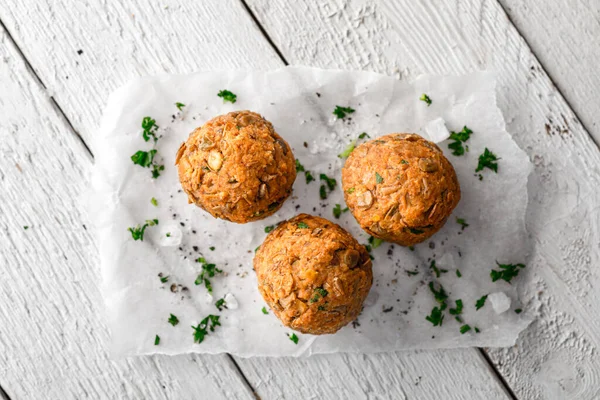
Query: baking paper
[[299, 102]]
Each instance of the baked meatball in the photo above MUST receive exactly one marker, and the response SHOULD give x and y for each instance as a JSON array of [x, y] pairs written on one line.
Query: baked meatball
[[400, 188], [313, 274], [237, 167]]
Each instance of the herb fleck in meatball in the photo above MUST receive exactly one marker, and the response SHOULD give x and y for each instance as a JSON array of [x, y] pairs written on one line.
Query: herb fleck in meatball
[[237, 167], [400, 188], [313, 274]]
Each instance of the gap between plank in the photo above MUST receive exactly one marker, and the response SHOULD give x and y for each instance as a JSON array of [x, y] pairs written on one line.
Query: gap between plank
[[264, 32], [497, 374], [3, 394], [558, 89], [37, 78], [246, 381]]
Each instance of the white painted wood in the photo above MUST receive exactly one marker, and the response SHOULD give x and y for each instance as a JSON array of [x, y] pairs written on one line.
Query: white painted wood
[[565, 37], [556, 358], [118, 46], [52, 334]]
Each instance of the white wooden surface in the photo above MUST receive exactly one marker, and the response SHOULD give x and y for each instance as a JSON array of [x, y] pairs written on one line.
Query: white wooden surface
[[64, 357]]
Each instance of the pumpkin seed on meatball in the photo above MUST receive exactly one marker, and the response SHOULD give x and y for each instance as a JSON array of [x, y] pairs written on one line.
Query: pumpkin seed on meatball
[[236, 167], [400, 188]]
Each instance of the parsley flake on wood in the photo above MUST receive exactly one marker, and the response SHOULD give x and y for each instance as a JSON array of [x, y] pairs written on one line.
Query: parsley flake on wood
[[464, 329], [348, 149], [426, 99], [518, 311], [293, 337], [150, 128], [458, 309], [481, 302], [226, 95], [375, 242], [302, 225], [337, 211], [137, 232], [507, 272], [269, 228], [173, 320], [487, 160], [341, 112], [459, 138], [208, 271], [26, 227], [200, 331], [264, 310], [378, 178], [220, 304], [462, 223], [157, 340], [179, 105], [154, 202]]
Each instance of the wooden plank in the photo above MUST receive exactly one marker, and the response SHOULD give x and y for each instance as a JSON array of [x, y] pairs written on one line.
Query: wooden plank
[[565, 37], [556, 356], [51, 331], [104, 31]]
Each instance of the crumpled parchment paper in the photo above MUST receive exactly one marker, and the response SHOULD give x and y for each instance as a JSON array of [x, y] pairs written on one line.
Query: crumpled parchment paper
[[299, 102]]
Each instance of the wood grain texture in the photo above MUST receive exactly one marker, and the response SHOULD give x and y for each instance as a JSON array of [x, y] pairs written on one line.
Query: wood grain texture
[[556, 358], [51, 331], [565, 37], [37, 30]]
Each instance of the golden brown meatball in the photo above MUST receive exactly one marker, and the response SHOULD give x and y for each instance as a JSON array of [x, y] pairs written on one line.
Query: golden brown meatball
[[237, 167], [313, 274], [400, 187]]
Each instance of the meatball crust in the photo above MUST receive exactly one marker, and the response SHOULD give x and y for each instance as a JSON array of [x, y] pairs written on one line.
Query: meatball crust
[[236, 167], [400, 188], [313, 274]]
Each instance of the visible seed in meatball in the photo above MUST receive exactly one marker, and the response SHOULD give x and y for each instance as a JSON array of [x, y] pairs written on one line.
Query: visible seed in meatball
[[237, 167], [413, 193], [313, 274]]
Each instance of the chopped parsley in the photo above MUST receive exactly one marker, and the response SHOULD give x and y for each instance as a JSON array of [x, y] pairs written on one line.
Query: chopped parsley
[[220, 304], [226, 95], [462, 223], [364, 135], [440, 294], [459, 138], [146, 160], [323, 192], [426, 99], [212, 248], [487, 160], [154, 202], [411, 248], [164, 279], [378, 178], [299, 166], [157, 340], [293, 337], [309, 177], [179, 105], [481, 302], [464, 329], [458, 309], [506, 272], [269, 228], [375, 242], [150, 128], [477, 330], [256, 249], [208, 271], [351, 190], [458, 274], [302, 225], [200, 331], [137, 232], [337, 211], [437, 271], [26, 227], [403, 162], [518, 311], [348, 149], [436, 317], [331, 182], [319, 293], [264, 310], [168, 234], [173, 320], [341, 112]]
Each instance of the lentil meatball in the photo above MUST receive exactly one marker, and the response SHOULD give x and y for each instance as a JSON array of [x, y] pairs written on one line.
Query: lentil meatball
[[400, 188], [313, 274], [237, 167]]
